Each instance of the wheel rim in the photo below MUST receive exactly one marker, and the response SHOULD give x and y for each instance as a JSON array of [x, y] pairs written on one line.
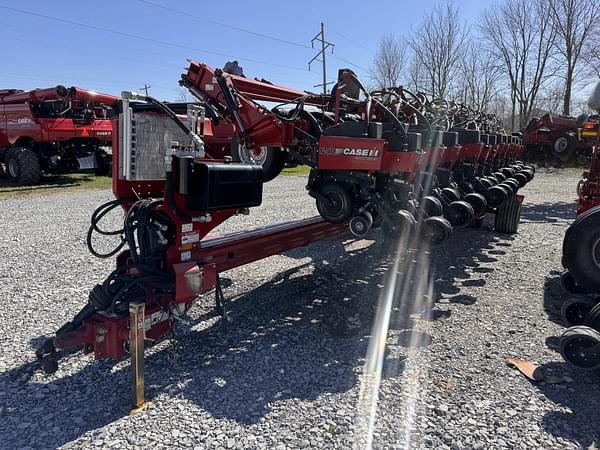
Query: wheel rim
[[257, 155], [561, 144], [575, 313], [13, 168], [574, 352], [335, 205]]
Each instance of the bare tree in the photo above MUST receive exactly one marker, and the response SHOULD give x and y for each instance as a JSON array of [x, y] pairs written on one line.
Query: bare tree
[[478, 77], [389, 62], [523, 41], [592, 60], [437, 44], [574, 22]]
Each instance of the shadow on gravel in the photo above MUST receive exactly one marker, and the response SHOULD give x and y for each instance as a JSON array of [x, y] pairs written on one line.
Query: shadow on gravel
[[298, 336], [554, 297], [582, 399], [466, 260], [549, 212], [582, 395]]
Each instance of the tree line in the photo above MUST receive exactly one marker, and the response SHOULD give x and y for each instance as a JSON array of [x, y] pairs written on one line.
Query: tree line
[[522, 58]]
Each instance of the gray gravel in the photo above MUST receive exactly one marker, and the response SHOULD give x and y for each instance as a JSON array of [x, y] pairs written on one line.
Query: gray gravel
[[288, 372]]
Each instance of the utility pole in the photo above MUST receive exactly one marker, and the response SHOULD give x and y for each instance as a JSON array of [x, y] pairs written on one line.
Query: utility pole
[[324, 46], [145, 88]]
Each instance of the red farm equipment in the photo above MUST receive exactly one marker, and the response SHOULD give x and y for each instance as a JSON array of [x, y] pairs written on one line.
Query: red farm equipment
[[54, 130], [563, 137], [580, 344], [372, 165]]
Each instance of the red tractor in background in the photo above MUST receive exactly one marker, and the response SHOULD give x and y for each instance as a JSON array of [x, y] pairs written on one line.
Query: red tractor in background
[[564, 137], [54, 130]]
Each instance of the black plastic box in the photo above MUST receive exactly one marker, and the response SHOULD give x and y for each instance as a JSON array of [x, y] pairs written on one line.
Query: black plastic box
[[216, 186]]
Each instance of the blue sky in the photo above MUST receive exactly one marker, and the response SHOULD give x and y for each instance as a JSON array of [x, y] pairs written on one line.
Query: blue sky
[[40, 52]]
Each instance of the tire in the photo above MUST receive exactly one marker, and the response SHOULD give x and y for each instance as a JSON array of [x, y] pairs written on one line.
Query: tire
[[581, 249], [431, 206], [272, 159], [496, 195], [459, 213], [450, 195], [592, 319], [569, 284], [563, 148], [23, 166], [402, 222], [436, 230], [575, 310], [574, 341], [105, 166], [521, 178], [339, 207], [508, 216], [361, 224], [478, 202]]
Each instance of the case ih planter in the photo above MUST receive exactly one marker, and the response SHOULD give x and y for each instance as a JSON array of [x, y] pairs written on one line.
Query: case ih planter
[[54, 130], [369, 168], [562, 136]]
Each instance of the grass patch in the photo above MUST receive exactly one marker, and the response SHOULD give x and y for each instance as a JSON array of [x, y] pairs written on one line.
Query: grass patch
[[55, 184], [299, 171]]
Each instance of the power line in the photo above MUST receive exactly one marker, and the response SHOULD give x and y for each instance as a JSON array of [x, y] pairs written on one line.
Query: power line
[[143, 38], [231, 27], [352, 41]]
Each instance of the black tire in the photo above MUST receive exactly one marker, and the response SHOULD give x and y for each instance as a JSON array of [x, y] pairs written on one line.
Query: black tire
[[592, 319], [521, 178], [104, 166], [514, 183], [478, 202], [569, 284], [339, 207], [563, 148], [574, 310], [431, 206], [361, 224], [402, 222], [499, 176], [573, 345], [581, 249], [272, 160], [23, 166], [508, 216], [459, 213], [510, 189], [496, 195], [450, 195], [436, 230]]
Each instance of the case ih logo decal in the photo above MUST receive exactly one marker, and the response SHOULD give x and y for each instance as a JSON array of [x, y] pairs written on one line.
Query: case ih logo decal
[[361, 152], [103, 133]]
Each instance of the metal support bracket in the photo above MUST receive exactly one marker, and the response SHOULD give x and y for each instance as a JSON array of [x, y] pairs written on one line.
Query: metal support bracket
[[220, 301], [136, 348]]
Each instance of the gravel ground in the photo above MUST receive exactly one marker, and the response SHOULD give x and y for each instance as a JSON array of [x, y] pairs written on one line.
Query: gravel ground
[[286, 373]]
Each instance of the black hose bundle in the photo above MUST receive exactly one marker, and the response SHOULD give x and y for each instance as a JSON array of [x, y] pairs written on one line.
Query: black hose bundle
[[97, 216], [146, 234]]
